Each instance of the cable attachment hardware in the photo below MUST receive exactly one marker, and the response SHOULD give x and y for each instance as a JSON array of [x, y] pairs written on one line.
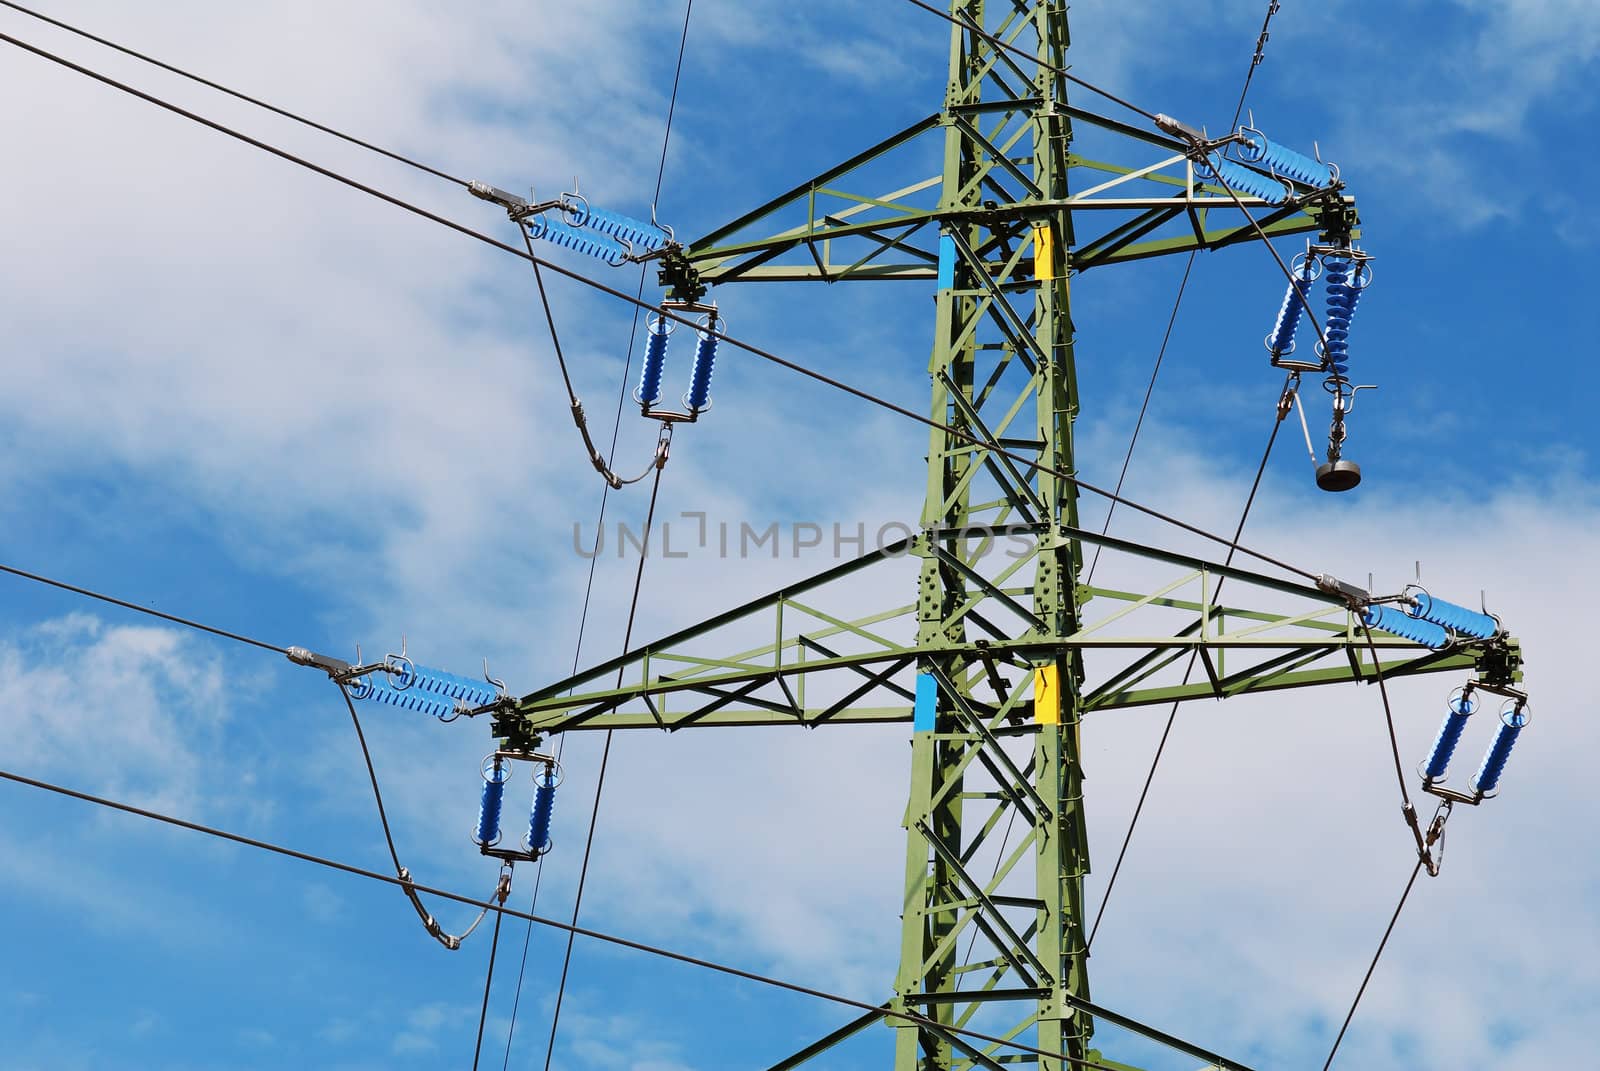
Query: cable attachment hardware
[[697, 399], [450, 941], [1427, 842], [496, 770], [1515, 715], [400, 682], [597, 232]]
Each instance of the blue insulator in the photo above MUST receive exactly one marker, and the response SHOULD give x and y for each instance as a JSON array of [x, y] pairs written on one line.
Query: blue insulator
[[449, 686], [1460, 707], [1389, 619], [1455, 618], [655, 362], [705, 359], [1281, 341], [553, 230], [494, 795], [409, 698], [1487, 779], [1257, 149], [1241, 179], [544, 798], [1342, 297], [635, 232]]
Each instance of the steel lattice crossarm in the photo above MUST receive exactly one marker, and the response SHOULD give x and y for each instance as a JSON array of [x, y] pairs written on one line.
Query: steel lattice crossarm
[[1152, 201], [819, 664]]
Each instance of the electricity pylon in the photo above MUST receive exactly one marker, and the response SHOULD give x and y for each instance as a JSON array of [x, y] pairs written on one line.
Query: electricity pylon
[[995, 651]]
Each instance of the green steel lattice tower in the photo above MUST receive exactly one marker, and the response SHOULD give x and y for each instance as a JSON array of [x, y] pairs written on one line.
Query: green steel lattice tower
[[988, 659]]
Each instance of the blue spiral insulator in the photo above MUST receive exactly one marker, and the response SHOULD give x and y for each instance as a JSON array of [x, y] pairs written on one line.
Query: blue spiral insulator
[[494, 795], [544, 798], [705, 359], [1257, 149], [1460, 707], [1405, 626], [1343, 295], [383, 691], [1487, 779], [449, 686], [635, 232], [1281, 341], [553, 230], [655, 362], [1457, 619], [1241, 179]]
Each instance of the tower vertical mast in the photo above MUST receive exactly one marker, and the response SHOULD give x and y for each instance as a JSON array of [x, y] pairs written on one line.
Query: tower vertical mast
[[992, 261]]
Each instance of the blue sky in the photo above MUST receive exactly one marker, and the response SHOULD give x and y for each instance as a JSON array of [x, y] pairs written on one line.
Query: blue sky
[[241, 393]]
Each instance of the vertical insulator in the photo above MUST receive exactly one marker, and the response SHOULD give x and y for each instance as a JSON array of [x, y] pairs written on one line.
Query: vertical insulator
[[705, 359], [1453, 617], [544, 798], [1343, 293], [1459, 706], [1487, 779], [655, 362], [494, 794], [1281, 341]]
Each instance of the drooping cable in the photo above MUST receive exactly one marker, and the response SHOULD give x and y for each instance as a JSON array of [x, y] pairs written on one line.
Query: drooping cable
[[1407, 809], [1155, 762], [578, 417], [600, 780], [220, 88], [766, 355], [450, 941], [972, 27], [1127, 458], [114, 601], [1373, 965], [605, 492], [596, 935]]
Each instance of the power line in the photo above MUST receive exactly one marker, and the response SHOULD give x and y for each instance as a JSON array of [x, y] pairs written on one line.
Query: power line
[[969, 25], [114, 601], [1127, 458], [219, 87], [605, 491], [598, 935], [1374, 964], [605, 756], [959, 433], [1255, 60], [1172, 715], [449, 941]]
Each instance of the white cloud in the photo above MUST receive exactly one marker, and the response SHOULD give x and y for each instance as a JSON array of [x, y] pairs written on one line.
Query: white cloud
[[135, 711]]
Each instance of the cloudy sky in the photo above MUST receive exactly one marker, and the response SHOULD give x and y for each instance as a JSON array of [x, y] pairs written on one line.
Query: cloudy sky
[[242, 393]]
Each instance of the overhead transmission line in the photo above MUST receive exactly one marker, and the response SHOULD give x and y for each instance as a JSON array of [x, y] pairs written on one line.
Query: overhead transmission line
[[979, 31], [236, 94], [1289, 385], [583, 617], [1183, 285], [959, 433], [125, 604], [1374, 964], [608, 938]]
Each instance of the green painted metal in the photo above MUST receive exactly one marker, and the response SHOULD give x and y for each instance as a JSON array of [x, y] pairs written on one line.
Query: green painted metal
[[996, 850]]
